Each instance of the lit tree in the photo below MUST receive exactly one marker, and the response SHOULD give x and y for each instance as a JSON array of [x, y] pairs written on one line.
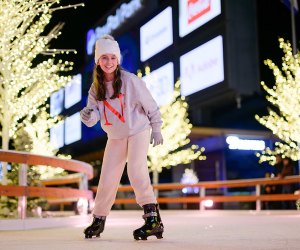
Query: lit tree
[[189, 177], [284, 119], [29, 72], [175, 129], [33, 136]]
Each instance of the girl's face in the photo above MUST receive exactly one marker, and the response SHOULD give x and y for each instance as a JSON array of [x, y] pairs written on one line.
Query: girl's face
[[108, 63]]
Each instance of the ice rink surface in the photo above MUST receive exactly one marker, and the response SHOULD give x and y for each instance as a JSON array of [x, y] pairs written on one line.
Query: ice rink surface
[[184, 229]]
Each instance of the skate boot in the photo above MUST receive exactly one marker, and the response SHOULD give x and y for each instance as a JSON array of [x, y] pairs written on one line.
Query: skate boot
[[153, 224], [96, 228]]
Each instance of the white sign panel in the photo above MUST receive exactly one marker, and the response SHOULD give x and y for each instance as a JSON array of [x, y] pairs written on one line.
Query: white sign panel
[[157, 34], [242, 144], [57, 135], [57, 102], [194, 13], [73, 91], [160, 82], [202, 67], [72, 129]]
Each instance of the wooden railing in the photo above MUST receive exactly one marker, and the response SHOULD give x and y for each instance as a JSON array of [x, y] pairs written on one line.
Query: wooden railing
[[23, 191], [85, 172], [203, 186]]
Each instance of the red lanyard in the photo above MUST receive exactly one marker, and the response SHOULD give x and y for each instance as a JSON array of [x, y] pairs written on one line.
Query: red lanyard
[[120, 116]]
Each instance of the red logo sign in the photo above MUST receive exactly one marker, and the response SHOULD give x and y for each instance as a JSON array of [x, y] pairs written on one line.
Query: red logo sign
[[197, 8]]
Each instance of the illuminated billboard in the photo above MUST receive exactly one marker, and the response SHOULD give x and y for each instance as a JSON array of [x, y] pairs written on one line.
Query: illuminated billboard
[[57, 102], [157, 34], [57, 135], [72, 128], [160, 82], [73, 91], [194, 13], [202, 67]]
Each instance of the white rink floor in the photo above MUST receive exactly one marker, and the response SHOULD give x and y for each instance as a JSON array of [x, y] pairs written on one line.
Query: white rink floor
[[184, 229]]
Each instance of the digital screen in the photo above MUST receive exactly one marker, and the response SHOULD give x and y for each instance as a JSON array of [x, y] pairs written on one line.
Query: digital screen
[[194, 13], [73, 91], [207, 70], [72, 128], [157, 34], [57, 102], [235, 142], [160, 82], [57, 135]]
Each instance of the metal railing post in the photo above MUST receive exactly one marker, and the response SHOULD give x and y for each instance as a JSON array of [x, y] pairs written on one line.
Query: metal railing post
[[202, 195], [83, 185], [257, 193], [22, 200]]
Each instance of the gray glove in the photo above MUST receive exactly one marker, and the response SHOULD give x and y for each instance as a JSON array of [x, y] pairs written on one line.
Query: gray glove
[[86, 113], [156, 138]]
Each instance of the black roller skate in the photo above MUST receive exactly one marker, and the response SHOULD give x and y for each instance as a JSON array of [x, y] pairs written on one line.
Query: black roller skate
[[96, 228], [153, 224]]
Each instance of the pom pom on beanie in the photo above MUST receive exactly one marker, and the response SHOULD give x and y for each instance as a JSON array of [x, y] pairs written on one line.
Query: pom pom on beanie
[[107, 45]]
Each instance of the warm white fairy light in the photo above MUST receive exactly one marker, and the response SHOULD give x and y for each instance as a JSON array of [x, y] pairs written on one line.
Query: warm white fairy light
[[285, 96], [33, 136], [27, 75], [175, 129]]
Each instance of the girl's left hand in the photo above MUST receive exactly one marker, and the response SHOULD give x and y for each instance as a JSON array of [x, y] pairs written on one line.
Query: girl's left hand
[[156, 138]]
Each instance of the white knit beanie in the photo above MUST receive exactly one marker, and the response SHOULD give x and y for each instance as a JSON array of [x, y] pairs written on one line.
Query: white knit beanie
[[107, 45]]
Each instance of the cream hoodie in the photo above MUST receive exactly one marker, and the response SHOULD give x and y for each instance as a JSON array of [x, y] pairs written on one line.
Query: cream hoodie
[[140, 111]]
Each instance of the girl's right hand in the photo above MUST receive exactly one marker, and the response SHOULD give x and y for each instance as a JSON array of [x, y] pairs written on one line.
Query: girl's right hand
[[85, 113]]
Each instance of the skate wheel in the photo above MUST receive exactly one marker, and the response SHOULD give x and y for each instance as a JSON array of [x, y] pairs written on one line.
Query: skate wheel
[[88, 236], [159, 235], [140, 237]]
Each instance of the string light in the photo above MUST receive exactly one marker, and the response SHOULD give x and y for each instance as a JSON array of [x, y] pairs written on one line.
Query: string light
[[175, 129], [284, 119], [33, 136]]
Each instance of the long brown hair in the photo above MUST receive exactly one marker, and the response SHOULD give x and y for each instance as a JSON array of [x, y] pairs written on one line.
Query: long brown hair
[[98, 79]]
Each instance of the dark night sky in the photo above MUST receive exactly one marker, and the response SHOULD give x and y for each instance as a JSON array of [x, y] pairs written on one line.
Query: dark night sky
[[274, 21]]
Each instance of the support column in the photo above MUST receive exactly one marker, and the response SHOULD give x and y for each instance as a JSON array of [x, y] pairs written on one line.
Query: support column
[[22, 200]]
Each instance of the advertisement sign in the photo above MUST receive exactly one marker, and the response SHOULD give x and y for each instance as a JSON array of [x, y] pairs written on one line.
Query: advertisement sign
[[73, 91], [57, 102], [194, 13], [206, 70], [125, 11], [235, 142], [57, 135], [72, 128], [157, 34], [160, 82]]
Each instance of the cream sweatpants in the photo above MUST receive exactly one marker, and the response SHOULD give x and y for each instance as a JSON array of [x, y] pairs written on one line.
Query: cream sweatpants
[[134, 149]]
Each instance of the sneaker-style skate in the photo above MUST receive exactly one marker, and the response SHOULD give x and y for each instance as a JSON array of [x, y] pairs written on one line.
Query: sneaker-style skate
[[153, 224], [96, 228]]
